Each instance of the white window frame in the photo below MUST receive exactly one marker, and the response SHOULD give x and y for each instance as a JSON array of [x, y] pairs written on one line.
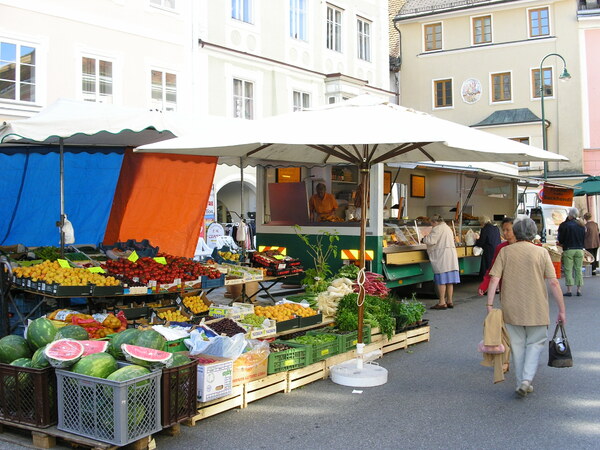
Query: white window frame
[[337, 29], [162, 4], [244, 98], [363, 39], [473, 43], [36, 74], [546, 97], [423, 36], [529, 24], [491, 87], [296, 25], [165, 105], [239, 8], [98, 58], [303, 95], [433, 106]]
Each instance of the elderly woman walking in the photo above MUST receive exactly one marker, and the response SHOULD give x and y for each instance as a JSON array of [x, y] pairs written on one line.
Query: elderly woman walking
[[444, 261], [523, 268], [571, 236]]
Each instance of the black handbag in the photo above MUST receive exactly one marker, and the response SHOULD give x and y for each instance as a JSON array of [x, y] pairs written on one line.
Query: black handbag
[[559, 350]]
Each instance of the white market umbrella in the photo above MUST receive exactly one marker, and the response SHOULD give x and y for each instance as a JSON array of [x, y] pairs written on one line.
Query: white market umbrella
[[362, 131], [71, 122]]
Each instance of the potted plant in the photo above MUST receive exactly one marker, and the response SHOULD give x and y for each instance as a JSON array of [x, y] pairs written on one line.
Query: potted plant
[[315, 278]]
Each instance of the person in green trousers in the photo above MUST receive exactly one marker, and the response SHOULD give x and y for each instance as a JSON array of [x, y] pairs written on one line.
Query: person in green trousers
[[571, 235]]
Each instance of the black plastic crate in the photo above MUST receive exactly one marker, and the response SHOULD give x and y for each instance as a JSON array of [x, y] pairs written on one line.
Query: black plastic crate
[[178, 393], [28, 396]]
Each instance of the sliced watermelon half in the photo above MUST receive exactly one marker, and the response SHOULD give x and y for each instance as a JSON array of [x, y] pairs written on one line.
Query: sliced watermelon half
[[147, 357], [64, 353], [90, 347]]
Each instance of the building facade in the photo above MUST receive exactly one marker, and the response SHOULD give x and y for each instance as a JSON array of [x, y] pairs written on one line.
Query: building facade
[[233, 58], [479, 63]]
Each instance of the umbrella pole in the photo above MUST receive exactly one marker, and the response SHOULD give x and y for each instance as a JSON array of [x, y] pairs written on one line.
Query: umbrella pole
[[62, 197], [364, 183]]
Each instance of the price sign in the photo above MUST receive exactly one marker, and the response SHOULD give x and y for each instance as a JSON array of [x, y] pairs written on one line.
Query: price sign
[[161, 260], [280, 257], [96, 269], [64, 263], [133, 257]]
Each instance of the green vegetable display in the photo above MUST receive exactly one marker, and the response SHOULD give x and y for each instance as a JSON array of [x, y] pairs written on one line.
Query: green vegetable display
[[316, 339], [349, 271], [49, 253], [377, 313], [408, 312]]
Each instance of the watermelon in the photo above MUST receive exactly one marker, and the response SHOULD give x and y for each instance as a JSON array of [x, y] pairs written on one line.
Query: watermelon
[[91, 347], [63, 353], [128, 373], [13, 347], [180, 360], [144, 356], [24, 378], [99, 365], [124, 337], [72, 332], [40, 332], [38, 360], [150, 339]]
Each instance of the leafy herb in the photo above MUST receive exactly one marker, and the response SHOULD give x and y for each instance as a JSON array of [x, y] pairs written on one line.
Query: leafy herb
[[377, 313], [349, 271], [408, 312]]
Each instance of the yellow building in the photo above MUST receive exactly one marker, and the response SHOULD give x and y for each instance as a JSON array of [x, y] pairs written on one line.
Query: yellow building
[[478, 63]]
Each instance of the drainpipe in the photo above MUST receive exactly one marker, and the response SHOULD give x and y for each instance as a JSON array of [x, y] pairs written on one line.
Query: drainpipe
[[396, 63]]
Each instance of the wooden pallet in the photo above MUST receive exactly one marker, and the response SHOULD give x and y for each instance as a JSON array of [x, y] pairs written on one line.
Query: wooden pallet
[[396, 342], [269, 385], [28, 436], [417, 335], [207, 409], [301, 377]]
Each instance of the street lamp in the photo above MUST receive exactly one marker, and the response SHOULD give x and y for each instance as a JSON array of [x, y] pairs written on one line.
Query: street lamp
[[564, 76]]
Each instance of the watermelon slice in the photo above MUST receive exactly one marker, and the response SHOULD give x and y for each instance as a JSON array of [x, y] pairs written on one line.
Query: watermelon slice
[[147, 357], [63, 353], [90, 347]]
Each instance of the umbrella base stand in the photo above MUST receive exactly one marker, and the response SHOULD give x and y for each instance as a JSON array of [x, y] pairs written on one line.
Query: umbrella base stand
[[358, 373]]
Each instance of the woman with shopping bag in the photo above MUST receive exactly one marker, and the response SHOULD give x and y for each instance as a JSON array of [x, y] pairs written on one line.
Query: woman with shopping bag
[[523, 268]]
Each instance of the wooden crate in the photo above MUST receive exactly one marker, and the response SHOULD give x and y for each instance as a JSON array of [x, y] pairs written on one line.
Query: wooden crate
[[397, 342], [269, 385], [301, 377], [219, 405], [421, 334], [28, 436]]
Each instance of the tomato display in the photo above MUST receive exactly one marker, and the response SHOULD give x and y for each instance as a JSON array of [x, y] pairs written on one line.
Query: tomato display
[[148, 269]]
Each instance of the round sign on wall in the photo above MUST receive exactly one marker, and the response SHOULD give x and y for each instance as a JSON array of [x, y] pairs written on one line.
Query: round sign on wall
[[471, 90], [214, 231]]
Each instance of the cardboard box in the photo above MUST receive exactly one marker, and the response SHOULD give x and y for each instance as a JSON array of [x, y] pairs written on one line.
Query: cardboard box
[[214, 379], [245, 370], [235, 312], [260, 332]]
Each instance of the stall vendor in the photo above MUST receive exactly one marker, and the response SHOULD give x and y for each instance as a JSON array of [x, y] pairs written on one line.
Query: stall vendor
[[322, 205]]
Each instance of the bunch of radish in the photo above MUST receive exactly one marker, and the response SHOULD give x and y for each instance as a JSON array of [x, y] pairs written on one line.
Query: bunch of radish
[[373, 285]]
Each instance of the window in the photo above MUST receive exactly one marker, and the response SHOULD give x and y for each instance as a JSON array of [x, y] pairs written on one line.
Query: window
[[501, 89], [164, 91], [535, 82], [364, 39], [482, 30], [242, 10], [334, 29], [301, 100], [522, 140], [243, 99], [17, 72], [298, 19], [433, 36], [96, 80], [443, 93], [539, 22], [167, 4]]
